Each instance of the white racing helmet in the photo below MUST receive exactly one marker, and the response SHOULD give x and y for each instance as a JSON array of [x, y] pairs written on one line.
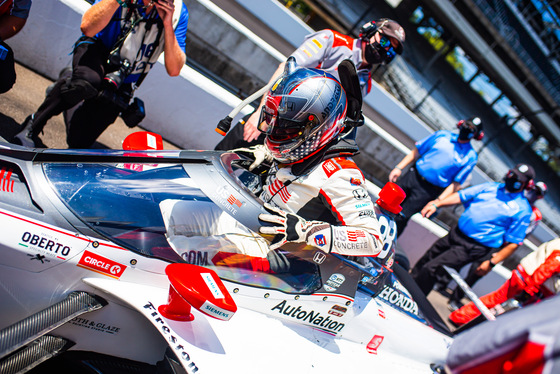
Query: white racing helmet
[[303, 112]]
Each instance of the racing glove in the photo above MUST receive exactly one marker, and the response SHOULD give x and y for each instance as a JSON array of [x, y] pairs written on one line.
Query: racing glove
[[289, 227], [260, 154]]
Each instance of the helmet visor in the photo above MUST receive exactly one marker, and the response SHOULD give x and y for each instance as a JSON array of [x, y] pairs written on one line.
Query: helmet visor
[[280, 129]]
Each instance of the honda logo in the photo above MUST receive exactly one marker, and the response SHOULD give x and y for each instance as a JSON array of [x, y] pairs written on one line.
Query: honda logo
[[319, 257]]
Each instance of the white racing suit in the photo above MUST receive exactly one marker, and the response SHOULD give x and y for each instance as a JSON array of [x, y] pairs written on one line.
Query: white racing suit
[[333, 192], [203, 234]]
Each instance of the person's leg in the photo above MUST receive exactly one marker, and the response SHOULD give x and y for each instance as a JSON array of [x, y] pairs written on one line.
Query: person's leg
[[415, 194], [420, 272], [89, 121], [509, 289], [87, 75], [440, 246], [456, 251], [471, 278]]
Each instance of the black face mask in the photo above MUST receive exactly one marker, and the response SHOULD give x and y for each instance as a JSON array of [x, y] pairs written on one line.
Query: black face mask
[[466, 134], [513, 184], [372, 55]]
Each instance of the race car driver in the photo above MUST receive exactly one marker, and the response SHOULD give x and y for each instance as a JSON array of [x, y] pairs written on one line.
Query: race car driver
[[314, 192], [379, 42]]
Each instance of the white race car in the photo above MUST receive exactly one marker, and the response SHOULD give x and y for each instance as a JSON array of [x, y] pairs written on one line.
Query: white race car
[[90, 280]]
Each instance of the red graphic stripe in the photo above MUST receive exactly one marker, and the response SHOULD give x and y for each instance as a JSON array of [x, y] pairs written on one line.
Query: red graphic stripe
[[6, 181]]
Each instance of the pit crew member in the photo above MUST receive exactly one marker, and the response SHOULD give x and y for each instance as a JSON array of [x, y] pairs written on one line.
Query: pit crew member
[[442, 162], [495, 219], [379, 42]]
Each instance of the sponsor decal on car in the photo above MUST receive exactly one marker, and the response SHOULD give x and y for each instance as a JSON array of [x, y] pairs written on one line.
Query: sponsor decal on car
[[399, 300], [319, 257], [233, 201], [338, 310], [311, 317], [173, 339], [38, 257], [212, 309], [212, 285], [46, 244], [102, 265], [227, 200], [381, 313], [374, 344], [93, 325], [334, 281]]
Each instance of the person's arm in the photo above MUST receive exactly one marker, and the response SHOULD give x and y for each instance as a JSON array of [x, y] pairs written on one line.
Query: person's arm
[[250, 130], [10, 25], [433, 206], [506, 251], [173, 54], [452, 188], [98, 16], [397, 170]]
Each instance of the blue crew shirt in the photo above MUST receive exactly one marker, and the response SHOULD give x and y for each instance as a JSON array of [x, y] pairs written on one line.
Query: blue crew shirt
[[443, 160], [493, 216]]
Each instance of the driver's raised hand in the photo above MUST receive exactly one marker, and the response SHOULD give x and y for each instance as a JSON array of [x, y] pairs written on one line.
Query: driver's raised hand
[[260, 154], [289, 227]]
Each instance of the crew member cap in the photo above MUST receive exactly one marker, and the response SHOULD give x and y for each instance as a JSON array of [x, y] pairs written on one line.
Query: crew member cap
[[524, 172]]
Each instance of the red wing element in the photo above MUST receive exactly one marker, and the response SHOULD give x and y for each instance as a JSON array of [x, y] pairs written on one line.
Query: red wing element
[[143, 140], [199, 287]]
